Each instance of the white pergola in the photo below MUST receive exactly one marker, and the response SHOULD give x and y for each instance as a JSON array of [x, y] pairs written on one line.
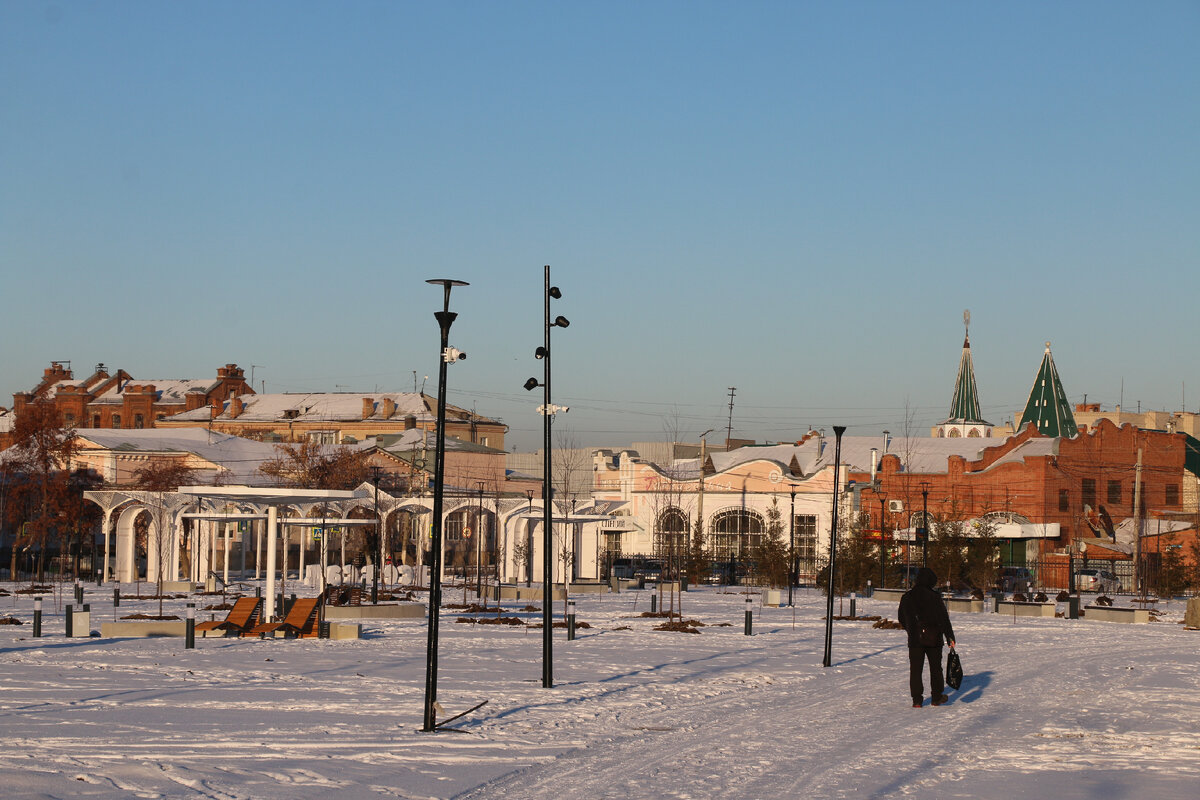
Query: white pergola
[[271, 498]]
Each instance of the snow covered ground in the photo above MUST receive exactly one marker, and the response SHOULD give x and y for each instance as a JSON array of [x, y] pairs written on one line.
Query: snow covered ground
[[1050, 707]]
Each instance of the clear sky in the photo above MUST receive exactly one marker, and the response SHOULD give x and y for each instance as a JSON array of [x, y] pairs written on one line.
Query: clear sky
[[796, 199]]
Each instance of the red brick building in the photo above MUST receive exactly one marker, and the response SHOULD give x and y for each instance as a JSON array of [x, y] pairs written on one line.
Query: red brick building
[[1083, 485], [116, 400]]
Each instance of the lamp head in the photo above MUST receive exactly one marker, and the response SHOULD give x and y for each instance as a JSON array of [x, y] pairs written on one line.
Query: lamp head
[[540, 353], [555, 293], [531, 384], [561, 322]]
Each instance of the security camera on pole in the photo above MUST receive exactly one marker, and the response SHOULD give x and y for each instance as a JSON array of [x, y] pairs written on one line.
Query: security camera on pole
[[547, 410]]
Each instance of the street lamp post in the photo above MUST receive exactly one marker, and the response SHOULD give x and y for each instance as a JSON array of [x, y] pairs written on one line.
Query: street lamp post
[[838, 430], [375, 470], [882, 540], [479, 544], [548, 410], [528, 565], [923, 531], [448, 355], [792, 550]]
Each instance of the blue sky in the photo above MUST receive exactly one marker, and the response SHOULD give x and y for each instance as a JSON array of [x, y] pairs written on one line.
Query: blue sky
[[795, 199]]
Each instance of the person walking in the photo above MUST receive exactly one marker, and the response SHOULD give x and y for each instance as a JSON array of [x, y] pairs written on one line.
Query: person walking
[[923, 615]]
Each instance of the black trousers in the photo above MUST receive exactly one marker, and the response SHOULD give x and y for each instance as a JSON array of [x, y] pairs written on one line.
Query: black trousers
[[917, 656]]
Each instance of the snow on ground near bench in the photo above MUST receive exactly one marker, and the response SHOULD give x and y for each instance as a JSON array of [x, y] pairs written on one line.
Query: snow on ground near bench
[[1050, 707]]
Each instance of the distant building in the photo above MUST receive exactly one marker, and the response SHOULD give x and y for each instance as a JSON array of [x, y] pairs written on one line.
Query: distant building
[[337, 418], [117, 400]]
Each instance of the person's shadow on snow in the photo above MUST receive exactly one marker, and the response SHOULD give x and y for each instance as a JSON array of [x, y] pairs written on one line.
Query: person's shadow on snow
[[972, 687]]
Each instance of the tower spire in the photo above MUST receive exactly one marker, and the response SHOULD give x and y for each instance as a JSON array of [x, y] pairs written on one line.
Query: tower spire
[[965, 418], [1047, 407]]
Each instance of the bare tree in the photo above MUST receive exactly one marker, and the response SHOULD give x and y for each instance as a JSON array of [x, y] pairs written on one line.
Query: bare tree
[[162, 476]]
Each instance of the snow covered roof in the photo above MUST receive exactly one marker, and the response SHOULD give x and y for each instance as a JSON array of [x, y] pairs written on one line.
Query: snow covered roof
[[926, 455], [7, 420], [326, 407], [241, 457]]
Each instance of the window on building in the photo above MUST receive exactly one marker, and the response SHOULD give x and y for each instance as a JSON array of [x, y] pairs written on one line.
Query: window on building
[[116, 420], [139, 421], [322, 437], [1114, 493], [734, 532], [1089, 492], [806, 543], [95, 420], [670, 533], [1064, 500], [1172, 494]]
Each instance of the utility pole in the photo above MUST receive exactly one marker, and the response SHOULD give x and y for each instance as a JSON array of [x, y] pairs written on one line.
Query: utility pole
[[1137, 527], [729, 428]]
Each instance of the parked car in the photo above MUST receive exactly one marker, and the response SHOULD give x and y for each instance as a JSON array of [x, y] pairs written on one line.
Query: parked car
[[1014, 579], [1096, 580]]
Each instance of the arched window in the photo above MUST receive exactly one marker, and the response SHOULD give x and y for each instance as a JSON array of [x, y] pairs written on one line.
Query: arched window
[[670, 533], [116, 420], [734, 532]]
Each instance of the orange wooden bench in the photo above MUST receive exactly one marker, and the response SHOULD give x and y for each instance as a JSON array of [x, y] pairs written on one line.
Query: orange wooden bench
[[244, 614], [301, 621]]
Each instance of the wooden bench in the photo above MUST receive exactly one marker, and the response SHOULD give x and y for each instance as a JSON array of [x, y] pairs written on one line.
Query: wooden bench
[[244, 614], [301, 621]]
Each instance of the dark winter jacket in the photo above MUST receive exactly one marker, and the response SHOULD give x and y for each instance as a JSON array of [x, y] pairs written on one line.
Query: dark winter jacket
[[923, 604]]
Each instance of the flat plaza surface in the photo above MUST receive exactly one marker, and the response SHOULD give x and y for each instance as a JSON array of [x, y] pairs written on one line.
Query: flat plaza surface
[[1050, 707]]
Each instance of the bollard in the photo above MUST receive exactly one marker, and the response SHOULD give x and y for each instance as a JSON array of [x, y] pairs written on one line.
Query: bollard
[[189, 638], [570, 620], [653, 604], [258, 592], [37, 617], [870, 591], [996, 603], [749, 617], [78, 592], [323, 629], [70, 619], [853, 598], [1073, 607], [116, 597]]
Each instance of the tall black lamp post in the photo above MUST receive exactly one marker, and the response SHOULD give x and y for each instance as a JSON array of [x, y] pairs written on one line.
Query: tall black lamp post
[[479, 544], [791, 550], [838, 430], [548, 410], [882, 540], [449, 355], [923, 531], [375, 471]]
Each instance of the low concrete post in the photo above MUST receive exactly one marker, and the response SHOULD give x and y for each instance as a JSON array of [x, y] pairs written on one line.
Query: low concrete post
[[37, 617], [653, 604], [570, 620], [853, 599], [189, 637], [749, 617], [69, 620], [1073, 607], [116, 597]]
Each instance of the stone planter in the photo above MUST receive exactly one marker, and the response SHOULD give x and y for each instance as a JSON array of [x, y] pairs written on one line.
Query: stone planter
[[1026, 609], [131, 628], [888, 595], [964, 604], [1111, 614], [382, 611]]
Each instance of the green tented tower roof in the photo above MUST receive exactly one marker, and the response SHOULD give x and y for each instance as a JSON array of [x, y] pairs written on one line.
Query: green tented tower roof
[[1047, 407], [964, 406]]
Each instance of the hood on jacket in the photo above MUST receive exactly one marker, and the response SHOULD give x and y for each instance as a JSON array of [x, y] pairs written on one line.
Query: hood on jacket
[[926, 577]]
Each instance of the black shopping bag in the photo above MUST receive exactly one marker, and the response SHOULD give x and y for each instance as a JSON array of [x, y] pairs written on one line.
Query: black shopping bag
[[954, 673]]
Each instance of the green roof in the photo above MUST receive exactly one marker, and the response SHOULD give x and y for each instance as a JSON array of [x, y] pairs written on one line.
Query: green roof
[[1047, 407], [964, 406]]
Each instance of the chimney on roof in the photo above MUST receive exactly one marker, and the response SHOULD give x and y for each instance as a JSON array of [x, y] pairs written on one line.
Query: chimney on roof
[[214, 409], [236, 407], [368, 407], [389, 407], [874, 462]]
